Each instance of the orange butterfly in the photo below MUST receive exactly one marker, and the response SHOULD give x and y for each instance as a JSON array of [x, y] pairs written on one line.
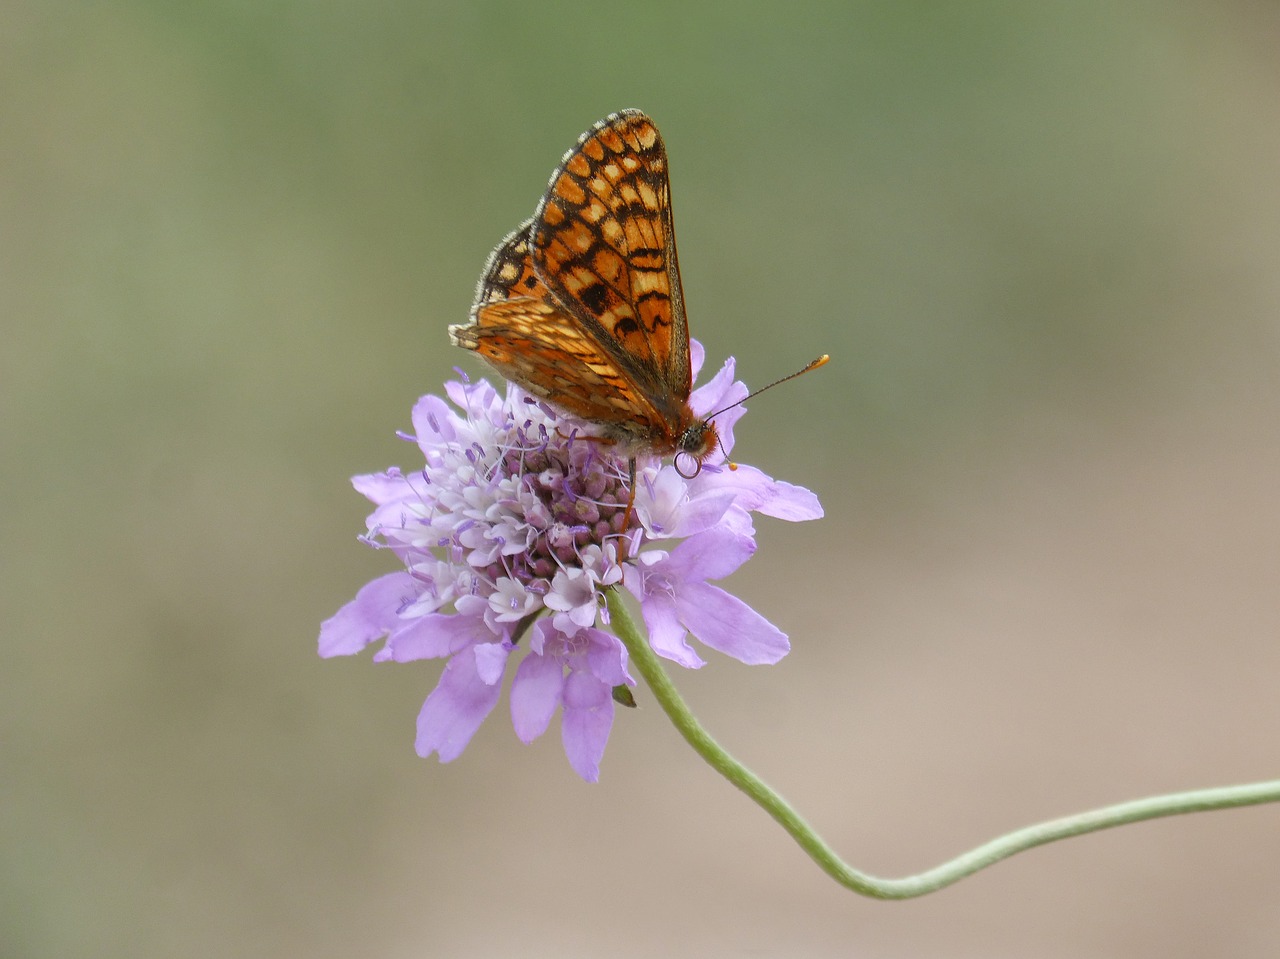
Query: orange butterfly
[[582, 305]]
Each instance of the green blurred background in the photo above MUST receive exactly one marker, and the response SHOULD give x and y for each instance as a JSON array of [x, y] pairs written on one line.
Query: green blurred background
[[1040, 242]]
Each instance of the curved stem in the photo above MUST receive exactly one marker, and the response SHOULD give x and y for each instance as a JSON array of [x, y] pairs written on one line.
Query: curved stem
[[931, 880]]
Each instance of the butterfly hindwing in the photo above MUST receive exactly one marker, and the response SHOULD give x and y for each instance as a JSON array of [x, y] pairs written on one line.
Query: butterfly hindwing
[[534, 344]]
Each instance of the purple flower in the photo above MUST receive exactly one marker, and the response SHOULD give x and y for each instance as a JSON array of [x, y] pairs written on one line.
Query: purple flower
[[508, 537]]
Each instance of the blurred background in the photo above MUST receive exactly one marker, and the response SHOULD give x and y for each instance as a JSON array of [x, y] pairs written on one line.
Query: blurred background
[[1039, 241]]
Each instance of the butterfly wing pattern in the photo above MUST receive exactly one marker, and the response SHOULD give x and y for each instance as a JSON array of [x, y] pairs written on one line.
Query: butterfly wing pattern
[[582, 305]]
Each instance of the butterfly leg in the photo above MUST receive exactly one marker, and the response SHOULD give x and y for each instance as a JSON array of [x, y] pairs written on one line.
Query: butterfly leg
[[631, 496]]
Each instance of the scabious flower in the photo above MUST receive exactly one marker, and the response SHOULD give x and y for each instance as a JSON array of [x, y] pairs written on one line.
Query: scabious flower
[[508, 537]]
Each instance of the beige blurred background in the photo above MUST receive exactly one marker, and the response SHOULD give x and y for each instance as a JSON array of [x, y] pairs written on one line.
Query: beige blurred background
[[1038, 239]]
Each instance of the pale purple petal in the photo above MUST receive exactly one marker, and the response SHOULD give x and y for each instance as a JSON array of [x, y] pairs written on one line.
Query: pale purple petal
[[491, 661], [573, 597], [721, 396], [511, 601], [382, 488], [607, 659], [697, 356], [703, 511], [396, 516], [726, 623], [666, 507], [790, 502], [434, 423], [710, 555], [482, 403], [738, 522], [601, 563], [666, 634], [434, 635], [535, 695], [371, 615], [471, 605], [585, 726], [724, 431], [757, 491], [717, 392], [455, 709]]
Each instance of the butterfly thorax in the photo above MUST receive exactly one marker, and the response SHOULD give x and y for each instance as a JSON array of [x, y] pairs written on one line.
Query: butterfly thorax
[[695, 437]]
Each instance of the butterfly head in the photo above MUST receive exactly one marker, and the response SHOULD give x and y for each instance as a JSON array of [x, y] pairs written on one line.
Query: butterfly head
[[696, 444]]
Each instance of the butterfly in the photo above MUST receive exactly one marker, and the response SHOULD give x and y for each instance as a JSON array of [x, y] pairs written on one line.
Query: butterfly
[[582, 305]]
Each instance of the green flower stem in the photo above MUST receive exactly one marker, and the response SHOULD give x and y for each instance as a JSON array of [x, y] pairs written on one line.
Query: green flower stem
[[648, 665]]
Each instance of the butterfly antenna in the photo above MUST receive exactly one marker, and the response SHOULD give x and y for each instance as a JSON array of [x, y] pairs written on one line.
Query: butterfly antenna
[[812, 365]]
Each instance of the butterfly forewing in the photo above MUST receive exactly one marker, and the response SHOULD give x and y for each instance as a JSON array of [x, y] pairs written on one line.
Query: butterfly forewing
[[604, 244]]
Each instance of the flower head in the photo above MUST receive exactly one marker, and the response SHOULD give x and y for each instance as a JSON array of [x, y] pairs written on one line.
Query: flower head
[[510, 533]]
